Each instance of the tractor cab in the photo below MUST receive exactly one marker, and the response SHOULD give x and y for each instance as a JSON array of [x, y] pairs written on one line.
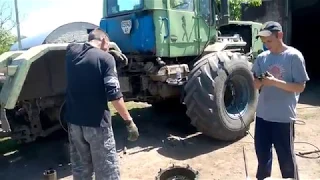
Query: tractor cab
[[165, 28]]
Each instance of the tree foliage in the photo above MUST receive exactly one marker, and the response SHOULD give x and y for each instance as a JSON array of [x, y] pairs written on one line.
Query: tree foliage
[[6, 40], [6, 25], [235, 7]]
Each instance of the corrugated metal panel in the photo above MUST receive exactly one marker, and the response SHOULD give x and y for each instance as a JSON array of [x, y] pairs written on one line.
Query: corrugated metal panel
[[67, 33], [32, 41]]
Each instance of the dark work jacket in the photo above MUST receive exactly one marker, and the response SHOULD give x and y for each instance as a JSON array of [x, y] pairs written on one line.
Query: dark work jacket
[[92, 81]]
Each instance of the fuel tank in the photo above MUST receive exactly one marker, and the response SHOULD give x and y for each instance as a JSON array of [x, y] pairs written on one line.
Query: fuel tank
[[133, 33]]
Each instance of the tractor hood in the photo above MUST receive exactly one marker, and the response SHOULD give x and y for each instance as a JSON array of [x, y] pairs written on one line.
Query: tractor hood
[[133, 33]]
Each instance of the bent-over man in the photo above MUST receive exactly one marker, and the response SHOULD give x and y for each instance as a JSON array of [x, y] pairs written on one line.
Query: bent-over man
[[92, 81]]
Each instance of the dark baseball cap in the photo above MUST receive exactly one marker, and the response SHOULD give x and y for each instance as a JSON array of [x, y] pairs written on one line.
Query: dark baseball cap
[[268, 28]]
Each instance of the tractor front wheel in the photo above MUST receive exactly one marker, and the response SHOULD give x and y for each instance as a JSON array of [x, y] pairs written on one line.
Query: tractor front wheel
[[220, 95]]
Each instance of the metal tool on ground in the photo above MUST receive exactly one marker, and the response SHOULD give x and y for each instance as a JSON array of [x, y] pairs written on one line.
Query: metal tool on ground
[[125, 144], [245, 164], [309, 152], [175, 172], [50, 174]]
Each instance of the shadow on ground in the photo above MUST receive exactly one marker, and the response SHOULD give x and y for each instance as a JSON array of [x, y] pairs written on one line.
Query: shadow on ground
[[29, 161], [171, 133]]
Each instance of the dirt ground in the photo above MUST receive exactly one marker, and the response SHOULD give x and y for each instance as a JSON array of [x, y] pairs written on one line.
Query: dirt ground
[[155, 150]]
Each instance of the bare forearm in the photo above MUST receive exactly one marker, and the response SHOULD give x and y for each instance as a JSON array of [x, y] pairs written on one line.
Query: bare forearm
[[291, 87], [257, 83], [119, 105]]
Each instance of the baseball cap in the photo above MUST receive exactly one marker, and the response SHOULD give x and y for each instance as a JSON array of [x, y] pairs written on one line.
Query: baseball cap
[[268, 28]]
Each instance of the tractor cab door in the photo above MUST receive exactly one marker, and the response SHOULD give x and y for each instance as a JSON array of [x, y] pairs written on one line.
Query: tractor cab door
[[183, 29], [206, 21]]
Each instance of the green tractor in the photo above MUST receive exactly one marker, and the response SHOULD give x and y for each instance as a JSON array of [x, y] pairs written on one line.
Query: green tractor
[[183, 52]]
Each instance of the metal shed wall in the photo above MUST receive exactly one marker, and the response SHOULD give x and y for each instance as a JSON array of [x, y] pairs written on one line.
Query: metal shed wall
[[67, 33], [275, 10]]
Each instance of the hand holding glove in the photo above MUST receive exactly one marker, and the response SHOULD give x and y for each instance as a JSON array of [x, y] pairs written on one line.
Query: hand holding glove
[[133, 132], [119, 57]]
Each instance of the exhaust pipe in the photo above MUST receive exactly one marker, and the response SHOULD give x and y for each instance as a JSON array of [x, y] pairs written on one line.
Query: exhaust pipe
[[225, 15]]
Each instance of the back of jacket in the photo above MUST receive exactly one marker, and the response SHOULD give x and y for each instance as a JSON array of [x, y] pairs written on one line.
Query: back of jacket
[[86, 101]]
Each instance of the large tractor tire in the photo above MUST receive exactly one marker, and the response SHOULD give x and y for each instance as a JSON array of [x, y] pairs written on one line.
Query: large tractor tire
[[215, 107]]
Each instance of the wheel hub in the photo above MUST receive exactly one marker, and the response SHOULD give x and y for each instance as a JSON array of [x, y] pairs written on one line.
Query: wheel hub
[[177, 173], [236, 96]]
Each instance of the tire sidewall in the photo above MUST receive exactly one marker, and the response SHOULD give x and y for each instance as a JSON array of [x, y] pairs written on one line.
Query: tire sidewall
[[242, 69]]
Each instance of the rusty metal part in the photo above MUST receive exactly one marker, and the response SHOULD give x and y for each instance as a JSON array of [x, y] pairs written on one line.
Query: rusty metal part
[[22, 134], [26, 124], [309, 152], [50, 174], [170, 71], [163, 90], [175, 172]]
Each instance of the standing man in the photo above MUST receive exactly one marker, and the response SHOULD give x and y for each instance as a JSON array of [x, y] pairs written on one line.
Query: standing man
[[91, 82], [276, 110]]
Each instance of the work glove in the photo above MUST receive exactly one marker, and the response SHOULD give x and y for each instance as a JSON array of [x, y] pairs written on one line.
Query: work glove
[[133, 132], [119, 57]]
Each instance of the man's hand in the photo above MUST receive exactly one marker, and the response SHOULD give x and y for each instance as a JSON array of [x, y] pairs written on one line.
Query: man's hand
[[257, 83], [131, 127], [119, 57], [269, 80], [133, 132]]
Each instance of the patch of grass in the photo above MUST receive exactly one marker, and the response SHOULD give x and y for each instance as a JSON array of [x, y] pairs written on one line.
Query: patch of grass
[[130, 106], [7, 145], [135, 109]]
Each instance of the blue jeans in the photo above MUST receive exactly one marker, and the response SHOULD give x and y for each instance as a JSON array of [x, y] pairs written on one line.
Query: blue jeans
[[93, 150], [281, 135]]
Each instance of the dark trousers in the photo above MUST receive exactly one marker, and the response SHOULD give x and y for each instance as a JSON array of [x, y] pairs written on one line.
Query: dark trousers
[[93, 150], [281, 135]]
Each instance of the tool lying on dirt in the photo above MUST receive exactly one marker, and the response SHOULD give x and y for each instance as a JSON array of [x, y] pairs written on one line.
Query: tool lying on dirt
[[177, 173], [245, 164], [309, 152], [125, 142], [50, 174]]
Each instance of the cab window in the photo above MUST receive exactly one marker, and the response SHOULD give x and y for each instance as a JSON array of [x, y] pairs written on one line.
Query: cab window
[[205, 10], [185, 5]]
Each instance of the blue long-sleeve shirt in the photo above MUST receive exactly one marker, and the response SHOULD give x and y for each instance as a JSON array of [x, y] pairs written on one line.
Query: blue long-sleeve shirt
[[92, 81]]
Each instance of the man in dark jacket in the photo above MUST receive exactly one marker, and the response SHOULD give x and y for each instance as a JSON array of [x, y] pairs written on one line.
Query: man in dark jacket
[[92, 81]]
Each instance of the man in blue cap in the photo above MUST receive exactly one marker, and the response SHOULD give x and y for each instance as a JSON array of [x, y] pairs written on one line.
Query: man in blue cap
[[276, 111]]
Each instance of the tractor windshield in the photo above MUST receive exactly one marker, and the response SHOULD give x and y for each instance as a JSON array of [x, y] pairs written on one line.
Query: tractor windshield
[[120, 6]]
